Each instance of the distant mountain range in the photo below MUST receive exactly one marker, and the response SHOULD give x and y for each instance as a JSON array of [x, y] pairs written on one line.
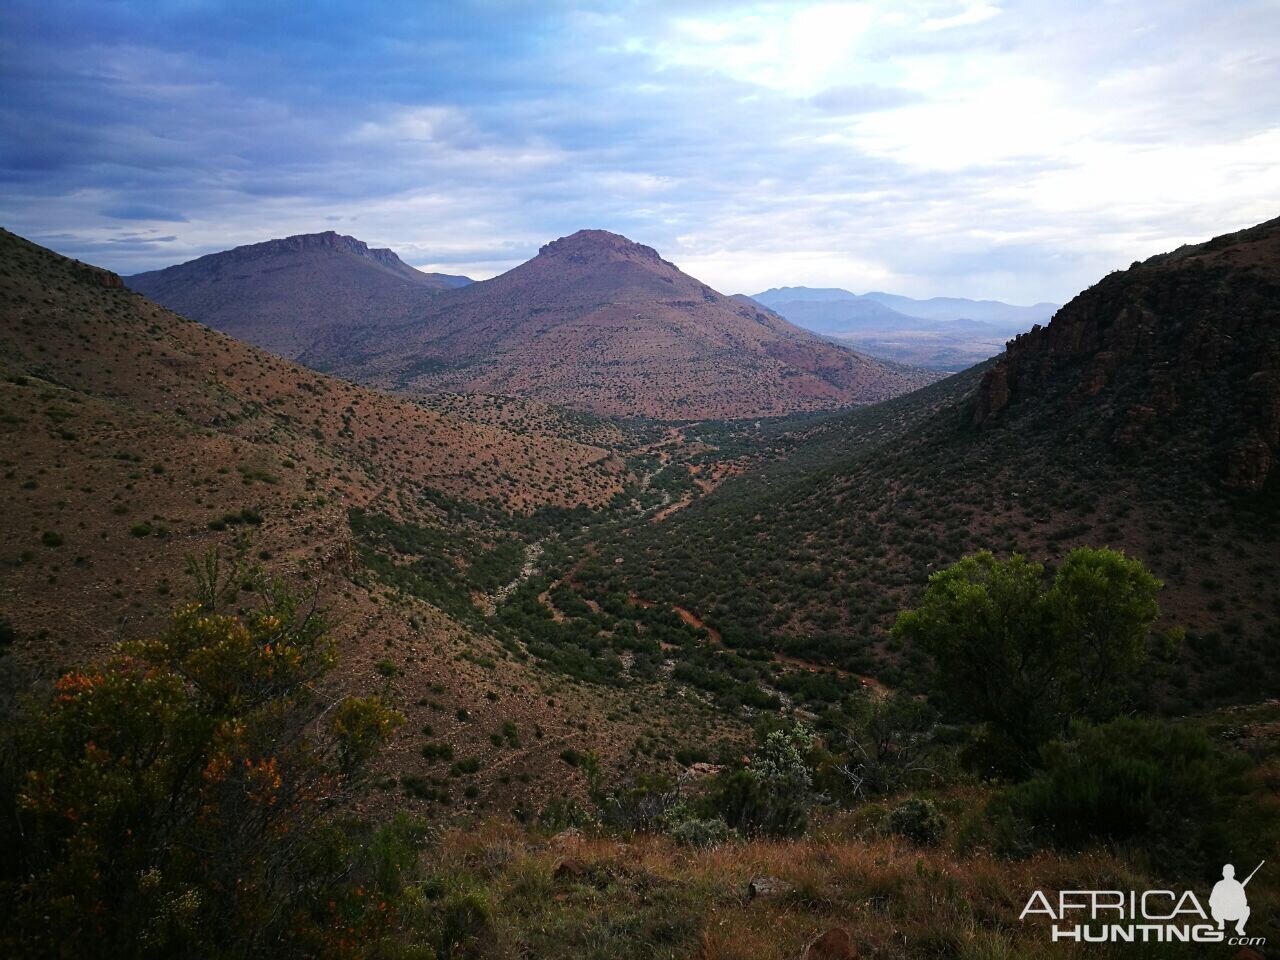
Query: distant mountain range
[[594, 322], [283, 294], [944, 333]]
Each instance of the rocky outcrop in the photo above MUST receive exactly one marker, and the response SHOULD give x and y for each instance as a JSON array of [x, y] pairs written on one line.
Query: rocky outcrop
[[1180, 352], [99, 277]]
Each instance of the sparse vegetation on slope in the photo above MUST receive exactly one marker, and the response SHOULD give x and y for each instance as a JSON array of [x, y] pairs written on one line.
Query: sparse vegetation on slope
[[1140, 419]]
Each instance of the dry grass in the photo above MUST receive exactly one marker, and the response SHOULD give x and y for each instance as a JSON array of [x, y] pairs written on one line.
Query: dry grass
[[649, 898]]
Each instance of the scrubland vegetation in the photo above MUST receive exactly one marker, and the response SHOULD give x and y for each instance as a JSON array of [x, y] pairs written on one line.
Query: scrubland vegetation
[[198, 794]]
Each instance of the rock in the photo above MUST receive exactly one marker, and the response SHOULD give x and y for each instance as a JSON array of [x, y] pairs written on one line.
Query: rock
[[766, 887], [99, 277], [1248, 464], [834, 944], [993, 394]]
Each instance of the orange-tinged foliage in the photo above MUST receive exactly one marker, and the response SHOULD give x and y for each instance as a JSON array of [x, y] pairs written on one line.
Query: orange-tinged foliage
[[170, 802]]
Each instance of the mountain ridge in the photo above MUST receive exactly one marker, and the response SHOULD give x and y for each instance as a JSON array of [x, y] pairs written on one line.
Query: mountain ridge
[[286, 293], [942, 333], [594, 322]]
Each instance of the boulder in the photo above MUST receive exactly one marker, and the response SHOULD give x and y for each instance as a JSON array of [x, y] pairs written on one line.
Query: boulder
[[766, 887]]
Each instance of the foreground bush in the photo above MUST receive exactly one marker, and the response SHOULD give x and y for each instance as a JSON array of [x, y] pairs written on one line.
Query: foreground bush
[[919, 821], [1161, 785], [773, 793], [175, 801]]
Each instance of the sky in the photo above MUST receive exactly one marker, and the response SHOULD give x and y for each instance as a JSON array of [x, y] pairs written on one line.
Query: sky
[[1007, 150]]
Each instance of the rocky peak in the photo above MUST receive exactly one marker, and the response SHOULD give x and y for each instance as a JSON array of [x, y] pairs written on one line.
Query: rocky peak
[[328, 240], [599, 246]]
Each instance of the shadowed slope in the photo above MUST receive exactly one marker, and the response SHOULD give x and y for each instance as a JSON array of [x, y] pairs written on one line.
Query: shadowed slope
[[1145, 416]]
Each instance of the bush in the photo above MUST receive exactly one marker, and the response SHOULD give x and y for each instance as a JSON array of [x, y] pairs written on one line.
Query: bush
[[773, 793], [700, 833], [561, 813], [571, 756], [437, 751], [1028, 657], [1160, 784], [168, 802], [919, 821], [642, 804], [465, 929]]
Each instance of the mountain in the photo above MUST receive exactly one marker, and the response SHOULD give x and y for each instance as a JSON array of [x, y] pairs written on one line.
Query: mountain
[[944, 333], [599, 323], [283, 295], [935, 308], [1144, 416], [959, 308], [842, 317]]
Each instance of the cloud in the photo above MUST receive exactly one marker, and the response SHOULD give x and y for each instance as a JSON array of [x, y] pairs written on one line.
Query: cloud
[[862, 98], [142, 211], [925, 146], [973, 14]]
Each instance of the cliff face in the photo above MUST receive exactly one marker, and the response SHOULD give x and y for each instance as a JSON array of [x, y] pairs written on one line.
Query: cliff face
[[1181, 351]]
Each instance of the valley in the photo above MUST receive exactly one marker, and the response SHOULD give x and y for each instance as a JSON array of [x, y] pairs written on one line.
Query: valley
[[419, 542], [550, 596]]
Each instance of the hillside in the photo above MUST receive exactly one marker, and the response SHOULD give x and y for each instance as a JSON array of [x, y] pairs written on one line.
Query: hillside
[[134, 439], [284, 295], [601, 324], [1145, 416]]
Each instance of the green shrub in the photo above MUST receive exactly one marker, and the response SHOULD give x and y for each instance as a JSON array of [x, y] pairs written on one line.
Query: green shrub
[[773, 793], [571, 756], [919, 821], [700, 833], [465, 929], [167, 802], [1159, 784], [465, 767], [561, 813], [1028, 656], [437, 751]]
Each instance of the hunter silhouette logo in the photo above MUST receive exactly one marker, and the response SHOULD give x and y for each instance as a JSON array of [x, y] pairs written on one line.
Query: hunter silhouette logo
[[1228, 901], [1149, 916]]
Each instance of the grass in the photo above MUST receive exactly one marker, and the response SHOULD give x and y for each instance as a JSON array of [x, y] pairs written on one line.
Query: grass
[[647, 897]]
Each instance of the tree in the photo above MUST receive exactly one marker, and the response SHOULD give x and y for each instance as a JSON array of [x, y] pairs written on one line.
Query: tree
[[1027, 658], [176, 800]]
